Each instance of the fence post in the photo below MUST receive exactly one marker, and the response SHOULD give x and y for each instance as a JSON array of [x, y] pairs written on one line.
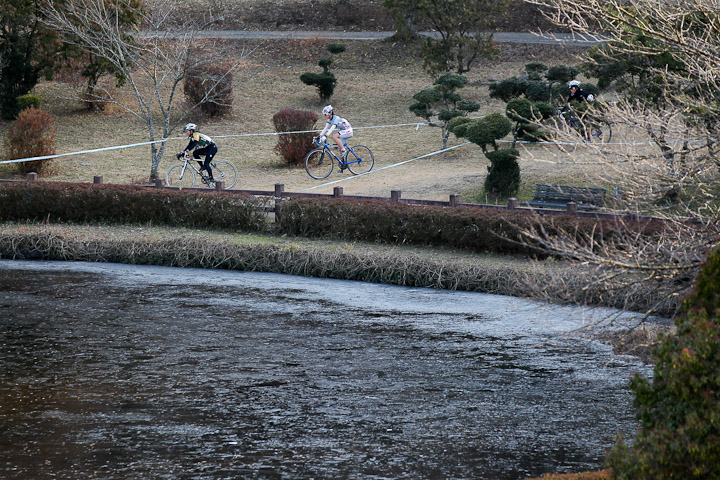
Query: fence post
[[220, 185], [98, 179], [512, 203], [395, 195], [571, 208], [279, 189], [159, 183], [32, 177], [337, 192], [454, 199]]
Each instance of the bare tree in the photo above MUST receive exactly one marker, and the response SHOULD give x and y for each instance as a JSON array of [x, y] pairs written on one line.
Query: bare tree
[[665, 161], [153, 62]]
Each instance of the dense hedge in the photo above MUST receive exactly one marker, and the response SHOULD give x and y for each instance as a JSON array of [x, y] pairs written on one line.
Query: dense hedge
[[95, 203], [473, 229]]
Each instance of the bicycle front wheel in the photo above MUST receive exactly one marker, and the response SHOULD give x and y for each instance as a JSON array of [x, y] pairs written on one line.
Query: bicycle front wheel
[[180, 175], [360, 160], [600, 133], [224, 171], [319, 164]]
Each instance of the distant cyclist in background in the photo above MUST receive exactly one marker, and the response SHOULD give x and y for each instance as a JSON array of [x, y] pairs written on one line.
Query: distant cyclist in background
[[577, 94], [344, 132], [200, 144]]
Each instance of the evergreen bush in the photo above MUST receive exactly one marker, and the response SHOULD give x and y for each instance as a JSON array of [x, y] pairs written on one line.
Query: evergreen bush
[[679, 408], [31, 135], [28, 100], [294, 147], [325, 82], [503, 179]]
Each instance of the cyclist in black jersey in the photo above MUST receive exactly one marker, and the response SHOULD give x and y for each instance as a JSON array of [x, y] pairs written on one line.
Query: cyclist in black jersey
[[577, 94], [200, 144]]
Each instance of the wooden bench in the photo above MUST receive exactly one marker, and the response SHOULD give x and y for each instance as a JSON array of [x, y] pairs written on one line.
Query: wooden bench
[[558, 196]]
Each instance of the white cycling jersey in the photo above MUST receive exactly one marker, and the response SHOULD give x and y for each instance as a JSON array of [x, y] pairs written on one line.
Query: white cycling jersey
[[343, 126]]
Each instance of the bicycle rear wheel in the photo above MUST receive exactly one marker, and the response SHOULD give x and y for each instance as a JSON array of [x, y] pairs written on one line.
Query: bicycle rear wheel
[[224, 171], [319, 164], [360, 160], [180, 175]]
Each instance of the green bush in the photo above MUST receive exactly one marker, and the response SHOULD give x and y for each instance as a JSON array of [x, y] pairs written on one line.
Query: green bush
[[538, 91], [31, 135], [679, 409], [335, 48], [520, 110], [27, 101], [535, 70], [293, 147], [508, 89], [503, 179], [561, 73], [488, 129], [324, 82]]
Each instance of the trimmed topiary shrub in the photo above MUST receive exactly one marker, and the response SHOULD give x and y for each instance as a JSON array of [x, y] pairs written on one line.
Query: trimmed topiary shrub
[[679, 409], [293, 147], [503, 179], [325, 82], [31, 135]]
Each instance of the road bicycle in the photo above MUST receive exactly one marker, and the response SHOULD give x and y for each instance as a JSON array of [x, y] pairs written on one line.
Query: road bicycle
[[591, 130], [319, 163], [183, 174]]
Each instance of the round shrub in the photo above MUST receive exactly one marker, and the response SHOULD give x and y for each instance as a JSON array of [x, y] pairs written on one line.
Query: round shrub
[[519, 110], [27, 101], [561, 73], [31, 135], [324, 82], [458, 126], [508, 89], [538, 91], [210, 87], [293, 147]]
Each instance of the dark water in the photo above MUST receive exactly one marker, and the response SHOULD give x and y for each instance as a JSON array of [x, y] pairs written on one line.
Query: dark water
[[124, 372]]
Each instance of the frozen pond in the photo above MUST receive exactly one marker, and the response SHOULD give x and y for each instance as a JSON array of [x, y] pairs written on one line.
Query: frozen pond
[[117, 372]]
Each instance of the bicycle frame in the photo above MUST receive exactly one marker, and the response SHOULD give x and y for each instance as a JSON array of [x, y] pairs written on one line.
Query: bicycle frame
[[342, 163], [188, 161]]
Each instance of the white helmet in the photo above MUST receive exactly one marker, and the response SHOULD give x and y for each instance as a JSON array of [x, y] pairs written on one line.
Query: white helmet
[[327, 110], [574, 83], [190, 126]]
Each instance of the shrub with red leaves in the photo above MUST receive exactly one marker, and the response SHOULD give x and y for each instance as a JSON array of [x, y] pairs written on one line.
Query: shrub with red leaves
[[31, 135], [293, 147]]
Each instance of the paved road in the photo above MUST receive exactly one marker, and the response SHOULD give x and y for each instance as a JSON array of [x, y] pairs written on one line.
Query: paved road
[[502, 37]]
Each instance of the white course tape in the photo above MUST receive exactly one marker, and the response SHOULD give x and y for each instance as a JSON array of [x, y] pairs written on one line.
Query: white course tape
[[45, 157], [118, 147], [414, 124], [385, 168]]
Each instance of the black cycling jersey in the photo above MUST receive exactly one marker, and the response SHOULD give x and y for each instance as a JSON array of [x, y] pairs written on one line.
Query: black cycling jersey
[[580, 95]]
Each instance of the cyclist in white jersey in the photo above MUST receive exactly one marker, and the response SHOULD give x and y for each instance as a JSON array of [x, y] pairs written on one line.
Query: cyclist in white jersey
[[200, 144], [344, 132]]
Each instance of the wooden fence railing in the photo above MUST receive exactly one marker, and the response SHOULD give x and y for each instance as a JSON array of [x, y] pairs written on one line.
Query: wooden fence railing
[[279, 195]]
